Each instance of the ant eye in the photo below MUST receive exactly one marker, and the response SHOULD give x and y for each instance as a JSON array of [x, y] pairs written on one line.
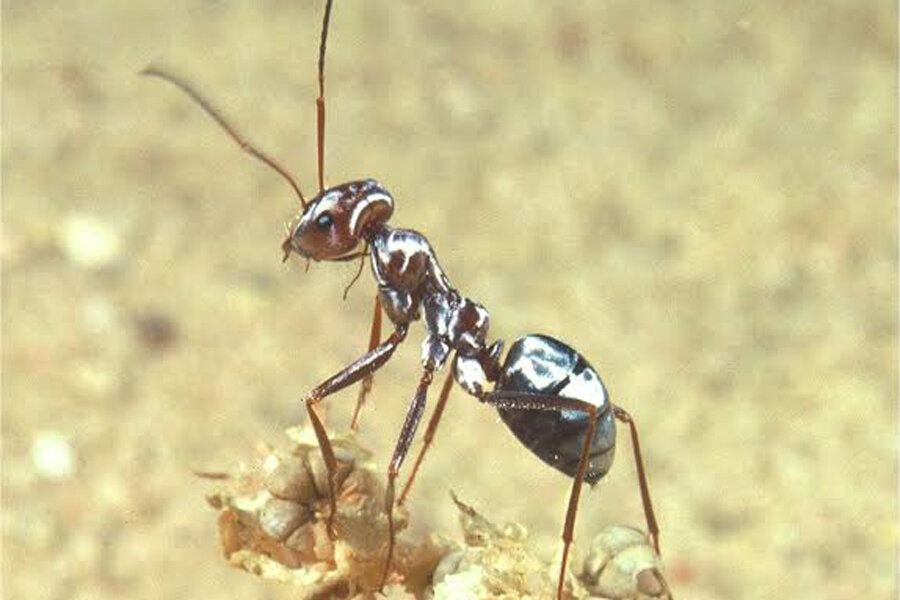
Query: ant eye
[[324, 221]]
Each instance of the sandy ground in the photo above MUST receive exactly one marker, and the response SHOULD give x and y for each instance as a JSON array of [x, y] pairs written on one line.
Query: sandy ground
[[700, 196]]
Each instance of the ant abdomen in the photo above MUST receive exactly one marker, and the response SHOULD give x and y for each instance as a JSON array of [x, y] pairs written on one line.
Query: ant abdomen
[[544, 366]]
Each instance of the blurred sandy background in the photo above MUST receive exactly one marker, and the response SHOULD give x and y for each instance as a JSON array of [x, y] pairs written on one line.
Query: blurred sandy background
[[700, 196]]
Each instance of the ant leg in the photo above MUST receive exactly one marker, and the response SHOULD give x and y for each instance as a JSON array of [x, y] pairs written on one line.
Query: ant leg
[[530, 401], [366, 386], [652, 526], [407, 433], [358, 369], [429, 434]]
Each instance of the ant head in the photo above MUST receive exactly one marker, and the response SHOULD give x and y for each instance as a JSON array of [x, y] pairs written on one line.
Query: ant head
[[332, 225]]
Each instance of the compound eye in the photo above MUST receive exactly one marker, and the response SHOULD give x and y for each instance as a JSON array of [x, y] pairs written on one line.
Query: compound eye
[[324, 221]]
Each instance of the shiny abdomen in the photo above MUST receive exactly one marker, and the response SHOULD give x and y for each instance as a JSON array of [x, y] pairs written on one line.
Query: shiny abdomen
[[543, 365]]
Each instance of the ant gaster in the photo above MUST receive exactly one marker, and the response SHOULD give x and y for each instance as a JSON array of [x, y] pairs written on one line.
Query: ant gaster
[[544, 390]]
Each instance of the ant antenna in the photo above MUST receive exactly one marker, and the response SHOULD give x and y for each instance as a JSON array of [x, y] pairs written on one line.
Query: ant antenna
[[320, 101], [231, 131]]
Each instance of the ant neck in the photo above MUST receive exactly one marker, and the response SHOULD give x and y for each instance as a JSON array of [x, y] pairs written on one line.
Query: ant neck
[[374, 231]]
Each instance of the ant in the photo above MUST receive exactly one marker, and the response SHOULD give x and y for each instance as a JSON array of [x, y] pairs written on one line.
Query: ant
[[546, 392]]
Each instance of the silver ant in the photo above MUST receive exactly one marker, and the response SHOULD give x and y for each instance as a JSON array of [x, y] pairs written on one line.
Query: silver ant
[[545, 391]]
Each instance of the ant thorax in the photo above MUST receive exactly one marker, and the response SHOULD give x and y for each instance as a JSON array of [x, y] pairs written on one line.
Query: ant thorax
[[411, 282]]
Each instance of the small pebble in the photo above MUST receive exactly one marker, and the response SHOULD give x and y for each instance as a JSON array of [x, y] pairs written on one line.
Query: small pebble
[[290, 480], [620, 577], [649, 583], [607, 544], [320, 474], [89, 242], [156, 331], [280, 518], [52, 456]]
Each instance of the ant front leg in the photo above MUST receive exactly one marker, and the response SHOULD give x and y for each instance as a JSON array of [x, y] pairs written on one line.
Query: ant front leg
[[358, 369], [366, 386], [532, 401], [407, 433]]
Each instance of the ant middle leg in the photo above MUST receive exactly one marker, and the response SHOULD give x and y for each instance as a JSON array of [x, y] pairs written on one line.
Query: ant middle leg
[[358, 369]]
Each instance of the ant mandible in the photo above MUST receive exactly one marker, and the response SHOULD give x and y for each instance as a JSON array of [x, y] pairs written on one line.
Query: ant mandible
[[545, 391]]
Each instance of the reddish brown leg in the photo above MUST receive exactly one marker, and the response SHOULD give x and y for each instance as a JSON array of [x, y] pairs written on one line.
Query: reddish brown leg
[[528, 401], [366, 386], [652, 526], [358, 369], [407, 433], [429, 434]]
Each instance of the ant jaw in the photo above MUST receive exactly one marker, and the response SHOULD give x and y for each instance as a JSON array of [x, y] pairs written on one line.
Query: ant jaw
[[287, 247]]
